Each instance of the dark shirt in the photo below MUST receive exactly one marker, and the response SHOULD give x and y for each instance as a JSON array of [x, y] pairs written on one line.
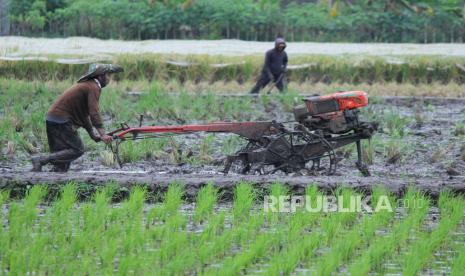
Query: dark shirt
[[79, 105], [275, 61]]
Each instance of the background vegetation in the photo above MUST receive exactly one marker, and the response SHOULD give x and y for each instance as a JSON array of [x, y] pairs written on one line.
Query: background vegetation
[[305, 20]]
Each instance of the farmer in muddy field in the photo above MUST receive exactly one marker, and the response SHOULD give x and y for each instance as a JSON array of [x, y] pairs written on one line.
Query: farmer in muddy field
[[76, 107], [274, 68]]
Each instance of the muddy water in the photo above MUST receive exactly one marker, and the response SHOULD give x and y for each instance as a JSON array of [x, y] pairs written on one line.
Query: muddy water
[[429, 154]]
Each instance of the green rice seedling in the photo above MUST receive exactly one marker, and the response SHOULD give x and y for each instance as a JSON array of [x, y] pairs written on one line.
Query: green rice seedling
[[363, 231], [96, 237], [459, 129], [216, 241], [62, 207], [123, 232], [430, 108], [94, 214], [206, 199], [395, 123], [241, 235], [32, 199], [285, 261], [133, 233], [285, 228], [130, 152], [157, 104], [213, 225], [289, 99], [188, 259], [244, 197], [175, 242], [166, 215], [259, 245], [381, 248], [21, 220], [452, 211], [233, 108], [232, 144], [248, 230], [458, 264], [258, 248], [57, 227], [206, 150], [276, 191], [242, 232], [245, 226], [173, 199], [136, 201], [301, 248], [4, 196], [345, 195], [205, 107]]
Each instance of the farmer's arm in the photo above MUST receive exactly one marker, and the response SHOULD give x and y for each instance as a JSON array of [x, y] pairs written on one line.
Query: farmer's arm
[[285, 62], [95, 117], [88, 127], [267, 66]]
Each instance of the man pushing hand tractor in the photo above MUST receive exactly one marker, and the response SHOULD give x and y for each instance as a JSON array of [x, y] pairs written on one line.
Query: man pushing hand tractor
[[77, 107], [305, 145]]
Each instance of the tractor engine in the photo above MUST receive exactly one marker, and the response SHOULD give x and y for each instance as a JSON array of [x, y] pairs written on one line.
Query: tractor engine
[[333, 114]]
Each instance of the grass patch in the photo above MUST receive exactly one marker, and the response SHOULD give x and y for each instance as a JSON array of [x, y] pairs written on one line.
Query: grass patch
[[452, 211]]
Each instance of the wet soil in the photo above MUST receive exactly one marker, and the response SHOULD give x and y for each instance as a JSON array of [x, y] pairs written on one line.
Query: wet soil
[[430, 155]]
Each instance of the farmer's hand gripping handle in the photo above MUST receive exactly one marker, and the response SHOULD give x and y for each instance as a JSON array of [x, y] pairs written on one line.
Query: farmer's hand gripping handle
[[112, 134], [113, 137], [273, 85]]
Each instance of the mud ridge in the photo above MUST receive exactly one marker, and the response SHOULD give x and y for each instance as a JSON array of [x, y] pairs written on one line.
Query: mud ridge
[[226, 183]]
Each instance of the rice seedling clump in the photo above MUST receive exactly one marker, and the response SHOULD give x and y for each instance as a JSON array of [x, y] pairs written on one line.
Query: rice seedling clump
[[173, 235]]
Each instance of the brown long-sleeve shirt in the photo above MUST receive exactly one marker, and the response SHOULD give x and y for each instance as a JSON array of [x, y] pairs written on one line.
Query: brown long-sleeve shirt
[[79, 105]]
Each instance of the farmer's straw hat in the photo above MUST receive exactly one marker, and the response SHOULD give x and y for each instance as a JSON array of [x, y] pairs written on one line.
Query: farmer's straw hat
[[97, 69]]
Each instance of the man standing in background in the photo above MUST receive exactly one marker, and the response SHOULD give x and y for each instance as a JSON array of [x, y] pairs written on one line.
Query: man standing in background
[[274, 68]]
